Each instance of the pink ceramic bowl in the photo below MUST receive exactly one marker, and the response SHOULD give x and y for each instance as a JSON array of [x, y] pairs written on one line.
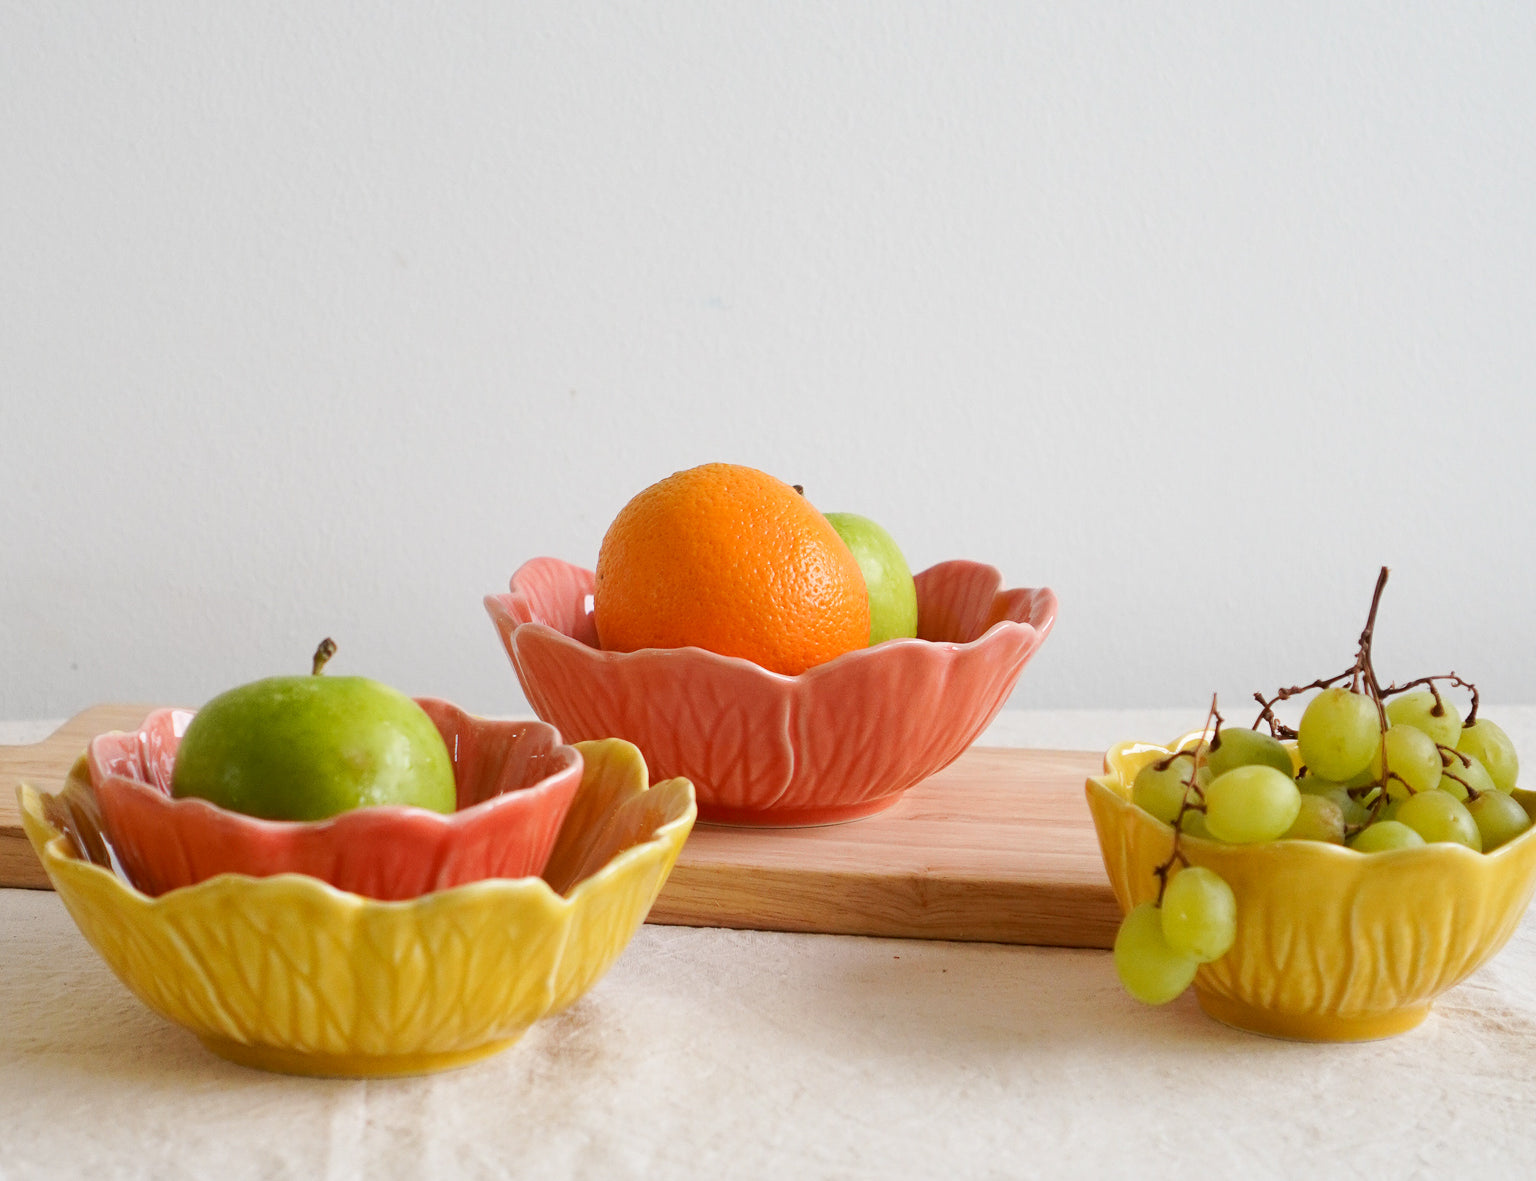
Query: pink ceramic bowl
[[515, 784], [839, 741]]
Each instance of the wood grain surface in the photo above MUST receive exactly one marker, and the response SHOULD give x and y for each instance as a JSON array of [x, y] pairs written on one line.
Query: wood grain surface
[[44, 765], [998, 846]]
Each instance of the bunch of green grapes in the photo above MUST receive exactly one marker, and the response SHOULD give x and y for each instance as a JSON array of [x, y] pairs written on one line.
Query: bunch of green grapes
[[1371, 768], [1409, 770]]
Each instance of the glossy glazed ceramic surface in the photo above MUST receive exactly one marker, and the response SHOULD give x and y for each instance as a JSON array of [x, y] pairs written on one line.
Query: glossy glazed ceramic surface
[[842, 740], [515, 782], [290, 974], [1332, 945]]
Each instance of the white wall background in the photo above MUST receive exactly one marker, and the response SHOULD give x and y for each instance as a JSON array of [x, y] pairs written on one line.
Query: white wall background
[[321, 318]]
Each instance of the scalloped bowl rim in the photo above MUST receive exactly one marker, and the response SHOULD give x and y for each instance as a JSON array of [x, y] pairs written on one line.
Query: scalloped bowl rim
[[59, 847], [387, 813], [1042, 595]]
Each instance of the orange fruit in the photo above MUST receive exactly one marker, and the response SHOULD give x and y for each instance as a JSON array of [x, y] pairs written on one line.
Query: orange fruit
[[730, 559]]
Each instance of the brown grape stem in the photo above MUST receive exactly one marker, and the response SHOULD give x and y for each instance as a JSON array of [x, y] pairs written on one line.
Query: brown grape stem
[[1439, 710], [1448, 759], [1192, 792]]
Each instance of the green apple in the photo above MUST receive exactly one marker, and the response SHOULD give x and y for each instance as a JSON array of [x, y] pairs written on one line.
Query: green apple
[[892, 593], [309, 747]]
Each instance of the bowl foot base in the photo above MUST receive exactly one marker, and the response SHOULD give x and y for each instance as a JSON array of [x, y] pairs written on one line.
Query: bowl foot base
[[286, 1061], [1310, 1027], [791, 817]]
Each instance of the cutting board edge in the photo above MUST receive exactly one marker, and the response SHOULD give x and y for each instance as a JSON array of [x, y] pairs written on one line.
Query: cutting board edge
[[19, 867], [1040, 912], [1099, 939]]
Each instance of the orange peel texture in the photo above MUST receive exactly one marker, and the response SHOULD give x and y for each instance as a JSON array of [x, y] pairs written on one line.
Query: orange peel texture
[[732, 560]]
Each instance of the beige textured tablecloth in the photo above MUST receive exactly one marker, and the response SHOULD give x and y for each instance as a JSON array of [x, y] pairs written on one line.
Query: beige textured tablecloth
[[745, 1054]]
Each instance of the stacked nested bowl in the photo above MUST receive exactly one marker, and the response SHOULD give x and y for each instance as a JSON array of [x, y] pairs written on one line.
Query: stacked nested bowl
[[383, 941]]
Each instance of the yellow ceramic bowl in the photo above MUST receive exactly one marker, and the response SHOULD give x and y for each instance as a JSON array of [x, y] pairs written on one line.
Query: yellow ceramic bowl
[[288, 973], [1332, 945]]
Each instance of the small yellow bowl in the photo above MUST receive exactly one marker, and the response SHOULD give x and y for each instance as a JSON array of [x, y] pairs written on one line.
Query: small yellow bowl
[[1332, 945], [290, 974]]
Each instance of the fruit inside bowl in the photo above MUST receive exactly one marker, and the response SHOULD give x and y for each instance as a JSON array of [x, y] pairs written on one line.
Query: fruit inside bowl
[[1328, 943], [786, 662], [288, 973], [1327, 881], [513, 785], [841, 740]]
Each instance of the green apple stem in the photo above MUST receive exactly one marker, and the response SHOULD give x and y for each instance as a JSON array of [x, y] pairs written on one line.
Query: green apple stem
[[323, 653]]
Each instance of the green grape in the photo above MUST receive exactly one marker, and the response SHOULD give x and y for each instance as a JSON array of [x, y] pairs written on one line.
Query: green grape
[[1440, 818], [1160, 790], [1149, 969], [1412, 756], [1251, 804], [1320, 819], [1463, 771], [1194, 825], [1244, 748], [1417, 708], [1355, 813], [1315, 785], [1486, 742], [1500, 818], [1199, 914], [1339, 732], [1452, 788], [1385, 835]]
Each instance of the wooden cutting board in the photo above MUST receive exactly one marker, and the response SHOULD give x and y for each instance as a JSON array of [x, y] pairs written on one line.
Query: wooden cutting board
[[998, 846]]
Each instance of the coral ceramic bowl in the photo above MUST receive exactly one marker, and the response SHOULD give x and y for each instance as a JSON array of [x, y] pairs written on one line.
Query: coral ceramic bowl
[[288, 973], [839, 741], [515, 784], [1332, 945]]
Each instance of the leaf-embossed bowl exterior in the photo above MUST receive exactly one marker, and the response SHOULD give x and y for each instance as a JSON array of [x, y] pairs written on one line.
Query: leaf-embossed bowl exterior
[[515, 781], [841, 740], [288, 973], [1332, 945]]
